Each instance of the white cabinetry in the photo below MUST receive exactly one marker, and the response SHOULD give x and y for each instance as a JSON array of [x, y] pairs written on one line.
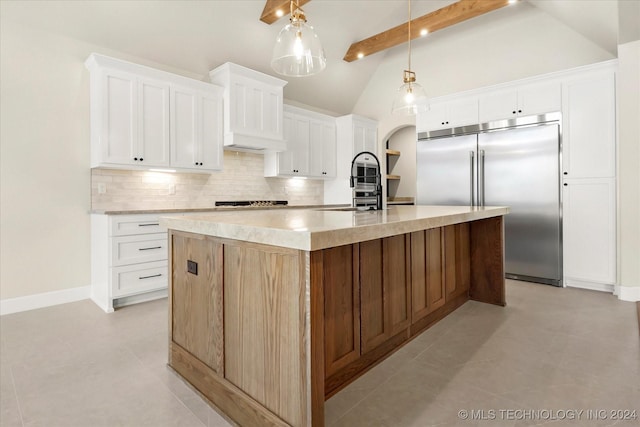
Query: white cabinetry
[[448, 114], [311, 146], [526, 100], [589, 126], [129, 119], [589, 231], [129, 256], [145, 118], [365, 135], [253, 108], [196, 128]]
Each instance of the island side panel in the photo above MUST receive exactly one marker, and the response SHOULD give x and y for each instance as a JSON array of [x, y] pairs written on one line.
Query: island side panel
[[265, 327], [487, 261], [316, 361]]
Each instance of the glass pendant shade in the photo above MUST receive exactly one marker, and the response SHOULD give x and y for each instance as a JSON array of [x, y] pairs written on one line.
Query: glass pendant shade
[[409, 100], [298, 51]]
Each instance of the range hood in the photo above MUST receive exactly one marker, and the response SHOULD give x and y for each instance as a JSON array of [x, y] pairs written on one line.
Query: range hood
[[252, 109]]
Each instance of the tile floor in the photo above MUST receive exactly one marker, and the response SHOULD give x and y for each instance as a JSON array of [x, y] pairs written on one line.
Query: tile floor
[[549, 350]]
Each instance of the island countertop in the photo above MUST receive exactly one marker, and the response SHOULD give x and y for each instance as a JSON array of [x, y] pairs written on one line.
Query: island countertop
[[315, 229]]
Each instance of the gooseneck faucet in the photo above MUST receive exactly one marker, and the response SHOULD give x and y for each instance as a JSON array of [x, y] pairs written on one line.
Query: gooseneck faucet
[[378, 190]]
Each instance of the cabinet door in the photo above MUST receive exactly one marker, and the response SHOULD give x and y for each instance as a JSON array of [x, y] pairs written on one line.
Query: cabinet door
[[461, 112], [539, 98], [457, 260], [589, 130], [210, 125], [341, 307], [498, 105], [184, 132], [384, 290], [119, 131], [196, 299], [316, 149], [329, 151], [589, 230], [295, 161], [427, 278], [153, 123], [371, 140], [257, 108], [434, 118], [364, 137]]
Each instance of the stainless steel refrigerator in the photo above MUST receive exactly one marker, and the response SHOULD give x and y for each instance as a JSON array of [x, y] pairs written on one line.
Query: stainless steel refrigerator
[[513, 163]]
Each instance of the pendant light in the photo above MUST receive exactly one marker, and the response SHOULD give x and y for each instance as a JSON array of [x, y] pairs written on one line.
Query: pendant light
[[298, 51], [411, 96]]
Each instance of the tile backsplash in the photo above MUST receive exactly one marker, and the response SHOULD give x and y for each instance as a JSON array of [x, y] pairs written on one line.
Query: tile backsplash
[[241, 179]]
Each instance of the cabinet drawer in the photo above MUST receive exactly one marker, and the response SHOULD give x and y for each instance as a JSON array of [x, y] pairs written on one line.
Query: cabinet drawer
[[126, 225], [138, 278], [138, 249]]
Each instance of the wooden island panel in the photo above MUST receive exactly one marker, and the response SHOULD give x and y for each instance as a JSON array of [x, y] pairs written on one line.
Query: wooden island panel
[[427, 278]]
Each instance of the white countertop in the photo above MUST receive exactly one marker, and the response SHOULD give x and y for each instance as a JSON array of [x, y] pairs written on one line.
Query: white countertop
[[313, 229]]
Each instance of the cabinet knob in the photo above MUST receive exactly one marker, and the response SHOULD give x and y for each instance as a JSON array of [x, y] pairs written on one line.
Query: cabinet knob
[[514, 111], [519, 111], [135, 158], [141, 159], [196, 163], [565, 184], [565, 173]]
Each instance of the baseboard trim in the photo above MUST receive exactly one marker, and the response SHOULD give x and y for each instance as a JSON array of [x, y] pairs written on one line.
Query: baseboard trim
[[602, 287], [628, 293], [46, 299]]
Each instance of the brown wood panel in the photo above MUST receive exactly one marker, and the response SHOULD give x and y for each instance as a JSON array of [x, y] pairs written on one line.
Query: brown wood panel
[[341, 307], [457, 258], [437, 20], [396, 261], [438, 314], [265, 327], [487, 261], [196, 300], [231, 400], [316, 288], [373, 315], [347, 374], [427, 278]]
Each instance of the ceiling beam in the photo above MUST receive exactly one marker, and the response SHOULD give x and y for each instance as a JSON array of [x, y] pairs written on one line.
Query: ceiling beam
[[434, 21], [269, 13]]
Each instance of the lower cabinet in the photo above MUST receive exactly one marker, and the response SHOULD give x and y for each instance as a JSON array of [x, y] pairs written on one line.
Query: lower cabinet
[[196, 299], [380, 292]]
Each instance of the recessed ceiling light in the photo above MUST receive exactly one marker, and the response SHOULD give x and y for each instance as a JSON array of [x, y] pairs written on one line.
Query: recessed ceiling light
[[424, 32], [360, 55], [279, 13]]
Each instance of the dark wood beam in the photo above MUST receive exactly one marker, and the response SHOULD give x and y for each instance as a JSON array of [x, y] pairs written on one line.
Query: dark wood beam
[[269, 13], [434, 21]]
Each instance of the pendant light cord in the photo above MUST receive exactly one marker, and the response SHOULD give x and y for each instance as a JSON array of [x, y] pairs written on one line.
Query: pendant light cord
[[409, 35]]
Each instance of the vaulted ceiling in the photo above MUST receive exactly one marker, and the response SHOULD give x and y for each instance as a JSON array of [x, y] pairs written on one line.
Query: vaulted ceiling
[[196, 36]]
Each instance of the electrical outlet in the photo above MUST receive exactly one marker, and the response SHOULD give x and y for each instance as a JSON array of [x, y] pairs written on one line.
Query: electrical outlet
[[172, 189], [102, 188]]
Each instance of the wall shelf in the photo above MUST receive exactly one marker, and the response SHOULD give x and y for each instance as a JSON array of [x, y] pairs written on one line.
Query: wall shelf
[[390, 152], [393, 176]]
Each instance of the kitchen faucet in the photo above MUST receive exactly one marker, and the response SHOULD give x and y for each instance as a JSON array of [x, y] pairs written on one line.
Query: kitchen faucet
[[378, 184]]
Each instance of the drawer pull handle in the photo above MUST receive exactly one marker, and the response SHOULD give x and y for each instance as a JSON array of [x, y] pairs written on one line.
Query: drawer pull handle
[[149, 277], [148, 249], [147, 225]]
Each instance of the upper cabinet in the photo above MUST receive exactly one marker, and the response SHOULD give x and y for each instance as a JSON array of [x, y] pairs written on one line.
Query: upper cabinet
[[196, 129], [365, 134], [451, 114], [526, 100], [589, 125], [145, 118], [129, 119], [311, 146], [254, 108]]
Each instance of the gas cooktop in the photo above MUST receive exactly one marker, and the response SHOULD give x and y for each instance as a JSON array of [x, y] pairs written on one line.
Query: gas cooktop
[[253, 203]]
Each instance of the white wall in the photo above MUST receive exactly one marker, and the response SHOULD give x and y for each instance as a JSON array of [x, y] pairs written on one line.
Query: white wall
[[628, 97], [507, 44]]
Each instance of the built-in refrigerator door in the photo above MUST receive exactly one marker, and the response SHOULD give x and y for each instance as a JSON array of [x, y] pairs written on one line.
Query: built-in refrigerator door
[[519, 168], [445, 171]]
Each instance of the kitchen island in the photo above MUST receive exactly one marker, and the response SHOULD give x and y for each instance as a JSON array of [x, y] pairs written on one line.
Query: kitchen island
[[272, 312]]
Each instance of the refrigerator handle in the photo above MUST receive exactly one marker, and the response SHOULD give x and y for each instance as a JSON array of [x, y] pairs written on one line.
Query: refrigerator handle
[[472, 174], [481, 179]]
